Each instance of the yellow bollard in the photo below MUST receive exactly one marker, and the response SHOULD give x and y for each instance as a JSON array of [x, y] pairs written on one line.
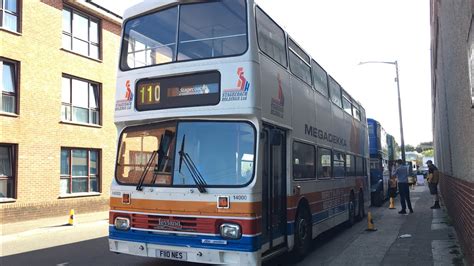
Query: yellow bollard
[[71, 217], [370, 223], [392, 203]]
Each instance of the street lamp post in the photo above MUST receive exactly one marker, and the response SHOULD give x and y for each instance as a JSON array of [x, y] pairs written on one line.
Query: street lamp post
[[402, 145]]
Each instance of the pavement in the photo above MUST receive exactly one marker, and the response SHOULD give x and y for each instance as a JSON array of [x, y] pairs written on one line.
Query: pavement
[[38, 234], [425, 237]]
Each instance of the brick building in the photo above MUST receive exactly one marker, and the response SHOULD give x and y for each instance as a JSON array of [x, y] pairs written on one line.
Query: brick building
[[452, 48], [58, 62]]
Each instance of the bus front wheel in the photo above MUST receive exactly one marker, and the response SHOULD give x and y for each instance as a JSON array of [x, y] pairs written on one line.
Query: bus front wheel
[[302, 233]]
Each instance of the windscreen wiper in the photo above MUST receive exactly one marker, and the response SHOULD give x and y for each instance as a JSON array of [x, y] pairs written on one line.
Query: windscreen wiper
[[195, 174], [145, 171], [165, 138], [165, 143]]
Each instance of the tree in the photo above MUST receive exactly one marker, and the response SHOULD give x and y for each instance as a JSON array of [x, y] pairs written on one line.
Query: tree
[[409, 147], [428, 153], [418, 149]]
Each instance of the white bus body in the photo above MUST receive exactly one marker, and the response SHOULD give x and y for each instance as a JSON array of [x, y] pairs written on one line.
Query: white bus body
[[290, 181]]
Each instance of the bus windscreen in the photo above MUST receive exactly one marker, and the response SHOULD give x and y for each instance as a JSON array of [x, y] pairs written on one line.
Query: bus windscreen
[[222, 152], [205, 30]]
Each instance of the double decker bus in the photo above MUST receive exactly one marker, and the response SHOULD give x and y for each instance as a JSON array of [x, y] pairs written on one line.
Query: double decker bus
[[234, 144], [379, 162]]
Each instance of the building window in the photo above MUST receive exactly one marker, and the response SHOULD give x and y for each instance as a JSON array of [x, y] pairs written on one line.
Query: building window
[[7, 171], [9, 14], [80, 101], [9, 78], [79, 171], [80, 33]]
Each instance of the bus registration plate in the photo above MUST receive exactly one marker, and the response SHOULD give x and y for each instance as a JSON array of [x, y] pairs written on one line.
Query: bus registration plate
[[173, 255]]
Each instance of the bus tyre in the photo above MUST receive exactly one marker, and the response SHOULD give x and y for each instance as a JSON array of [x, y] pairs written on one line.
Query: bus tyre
[[302, 233], [361, 206], [352, 217]]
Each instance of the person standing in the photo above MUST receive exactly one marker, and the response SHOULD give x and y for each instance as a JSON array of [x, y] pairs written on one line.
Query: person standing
[[401, 172], [433, 179]]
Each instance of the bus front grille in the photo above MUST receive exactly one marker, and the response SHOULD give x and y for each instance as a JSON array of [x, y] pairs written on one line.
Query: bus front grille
[[173, 223]]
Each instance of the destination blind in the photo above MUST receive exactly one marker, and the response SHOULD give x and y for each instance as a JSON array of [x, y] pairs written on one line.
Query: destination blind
[[178, 91]]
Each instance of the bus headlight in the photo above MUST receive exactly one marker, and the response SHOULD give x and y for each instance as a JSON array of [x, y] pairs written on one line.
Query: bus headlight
[[122, 223], [230, 231]]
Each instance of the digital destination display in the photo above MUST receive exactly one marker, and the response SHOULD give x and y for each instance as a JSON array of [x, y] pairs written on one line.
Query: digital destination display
[[193, 90], [178, 91]]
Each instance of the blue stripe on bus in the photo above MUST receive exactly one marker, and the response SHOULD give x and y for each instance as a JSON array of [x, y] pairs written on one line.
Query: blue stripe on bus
[[245, 244], [321, 216], [318, 217]]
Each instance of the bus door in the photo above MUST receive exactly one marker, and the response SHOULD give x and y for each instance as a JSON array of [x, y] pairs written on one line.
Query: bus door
[[274, 187]]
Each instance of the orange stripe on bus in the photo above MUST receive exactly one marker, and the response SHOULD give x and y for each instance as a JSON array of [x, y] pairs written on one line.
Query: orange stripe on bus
[[244, 209]]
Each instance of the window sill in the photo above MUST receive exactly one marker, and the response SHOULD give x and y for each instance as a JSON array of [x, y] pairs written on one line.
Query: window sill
[[81, 55], [7, 200], [8, 114], [80, 124], [10, 31], [79, 195]]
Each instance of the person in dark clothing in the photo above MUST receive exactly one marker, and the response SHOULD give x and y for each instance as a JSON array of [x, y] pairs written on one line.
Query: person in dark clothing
[[433, 180], [401, 172]]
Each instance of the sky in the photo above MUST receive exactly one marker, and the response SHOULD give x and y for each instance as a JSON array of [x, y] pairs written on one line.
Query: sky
[[339, 34]]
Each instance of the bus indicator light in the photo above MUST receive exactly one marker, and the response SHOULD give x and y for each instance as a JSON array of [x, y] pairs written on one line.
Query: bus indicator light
[[126, 198], [223, 202]]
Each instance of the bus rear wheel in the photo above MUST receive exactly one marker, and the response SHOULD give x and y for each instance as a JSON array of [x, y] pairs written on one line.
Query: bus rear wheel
[[302, 233]]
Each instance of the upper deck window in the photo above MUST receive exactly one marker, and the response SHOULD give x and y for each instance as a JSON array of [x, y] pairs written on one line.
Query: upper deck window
[[299, 62], [335, 92], [346, 103], [206, 30], [320, 78], [271, 38]]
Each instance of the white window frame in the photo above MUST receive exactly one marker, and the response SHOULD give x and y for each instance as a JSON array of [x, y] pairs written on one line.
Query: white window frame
[[72, 36]]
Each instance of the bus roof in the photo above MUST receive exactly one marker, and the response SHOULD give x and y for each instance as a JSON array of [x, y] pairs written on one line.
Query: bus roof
[[145, 6]]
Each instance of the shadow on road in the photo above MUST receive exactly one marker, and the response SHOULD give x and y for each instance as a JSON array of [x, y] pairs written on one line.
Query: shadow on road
[[96, 252], [317, 243]]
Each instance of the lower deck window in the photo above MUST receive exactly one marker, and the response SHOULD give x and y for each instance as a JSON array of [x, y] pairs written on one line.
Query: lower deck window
[[339, 165], [303, 161], [79, 171], [324, 163]]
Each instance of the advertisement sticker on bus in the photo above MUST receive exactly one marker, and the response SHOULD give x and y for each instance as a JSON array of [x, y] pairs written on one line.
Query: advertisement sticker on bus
[[126, 102], [278, 103], [241, 91]]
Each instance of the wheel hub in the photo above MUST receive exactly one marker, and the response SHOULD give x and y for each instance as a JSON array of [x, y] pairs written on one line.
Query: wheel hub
[[302, 229]]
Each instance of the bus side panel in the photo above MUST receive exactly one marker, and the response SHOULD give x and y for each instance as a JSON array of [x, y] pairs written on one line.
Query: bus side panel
[[276, 93]]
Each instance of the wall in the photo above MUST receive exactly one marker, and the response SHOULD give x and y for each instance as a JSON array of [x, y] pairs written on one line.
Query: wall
[[38, 130], [453, 113]]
